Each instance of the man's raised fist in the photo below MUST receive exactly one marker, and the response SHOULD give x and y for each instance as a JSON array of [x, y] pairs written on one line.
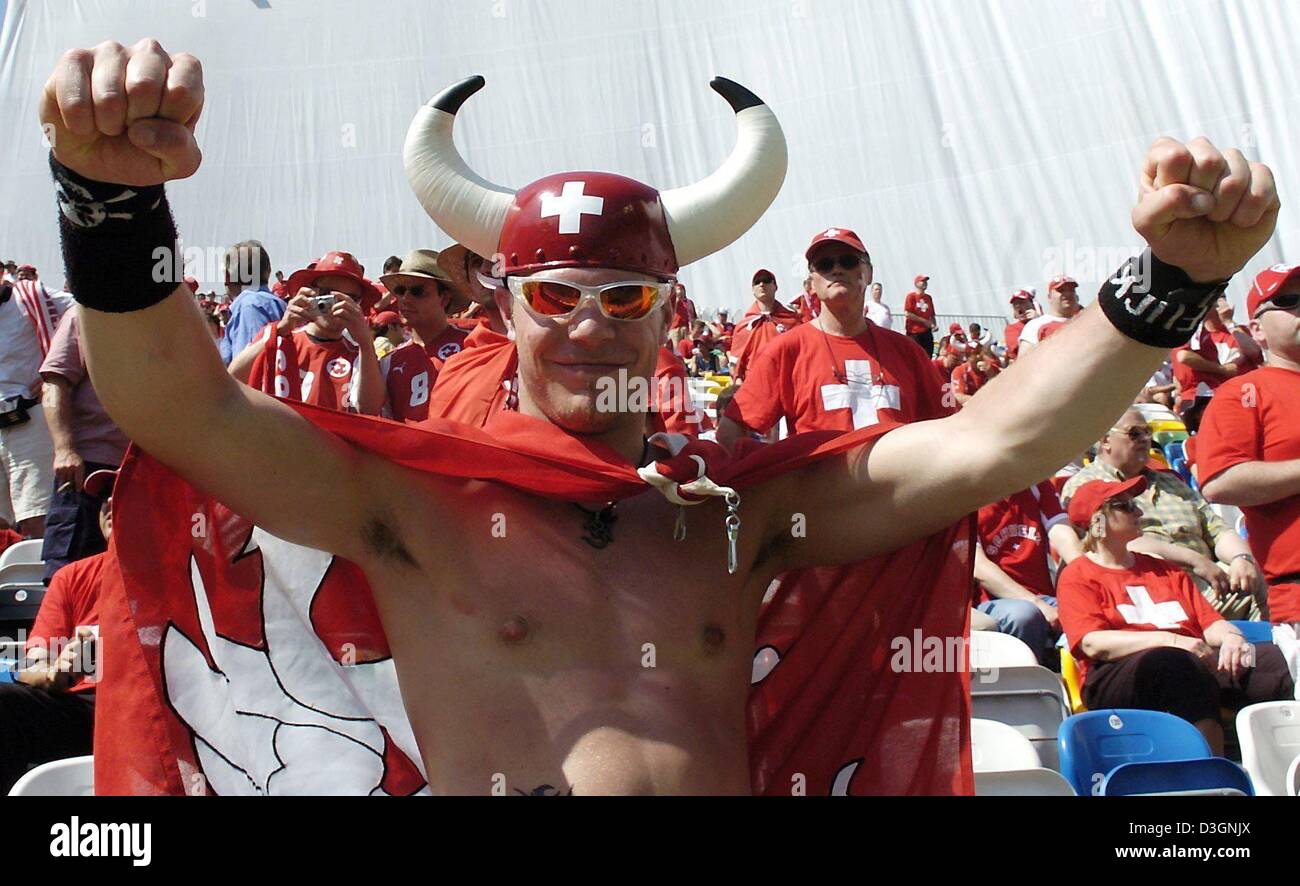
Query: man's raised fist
[[125, 115], [1203, 210]]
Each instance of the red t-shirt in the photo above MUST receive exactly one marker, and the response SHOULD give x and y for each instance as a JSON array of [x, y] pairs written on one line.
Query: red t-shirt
[[1153, 595], [409, 375], [1253, 418], [922, 305], [447, 344], [70, 602], [684, 314], [1013, 339], [822, 382], [1013, 532], [1228, 349], [686, 347], [307, 369]]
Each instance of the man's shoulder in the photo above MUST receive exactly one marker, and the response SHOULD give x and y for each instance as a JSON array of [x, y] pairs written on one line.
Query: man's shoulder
[[1094, 470], [78, 573]]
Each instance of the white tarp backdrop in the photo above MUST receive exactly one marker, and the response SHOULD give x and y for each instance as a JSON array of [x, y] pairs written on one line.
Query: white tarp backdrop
[[988, 144]]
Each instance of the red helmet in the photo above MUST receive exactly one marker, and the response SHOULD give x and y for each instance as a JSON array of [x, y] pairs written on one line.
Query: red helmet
[[595, 219]]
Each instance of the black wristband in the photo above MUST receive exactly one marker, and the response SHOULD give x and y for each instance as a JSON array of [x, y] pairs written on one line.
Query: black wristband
[[1155, 303], [119, 242]]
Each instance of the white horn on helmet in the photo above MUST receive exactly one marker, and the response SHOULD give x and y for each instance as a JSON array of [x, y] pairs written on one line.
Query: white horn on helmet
[[714, 212], [468, 207]]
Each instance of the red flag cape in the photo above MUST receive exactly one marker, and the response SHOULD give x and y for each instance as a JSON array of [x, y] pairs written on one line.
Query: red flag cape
[[237, 663], [755, 330]]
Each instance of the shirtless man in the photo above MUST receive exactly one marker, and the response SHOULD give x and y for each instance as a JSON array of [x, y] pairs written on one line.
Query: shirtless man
[[536, 672]]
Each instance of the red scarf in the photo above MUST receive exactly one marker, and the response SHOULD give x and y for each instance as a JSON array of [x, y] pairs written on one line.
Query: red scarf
[[40, 310]]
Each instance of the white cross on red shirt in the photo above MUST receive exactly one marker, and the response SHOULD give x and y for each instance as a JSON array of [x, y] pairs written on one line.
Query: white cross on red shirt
[[860, 395], [571, 205], [1146, 611]]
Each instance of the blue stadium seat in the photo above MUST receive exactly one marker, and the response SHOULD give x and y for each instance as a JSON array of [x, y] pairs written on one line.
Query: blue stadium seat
[[1174, 450], [1255, 631], [1092, 744], [1214, 776]]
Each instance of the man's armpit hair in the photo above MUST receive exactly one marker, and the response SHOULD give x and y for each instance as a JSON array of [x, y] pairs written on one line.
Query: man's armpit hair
[[380, 539]]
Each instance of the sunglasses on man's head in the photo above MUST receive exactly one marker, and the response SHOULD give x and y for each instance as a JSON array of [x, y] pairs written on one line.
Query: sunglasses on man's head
[[559, 300], [827, 264], [1288, 302]]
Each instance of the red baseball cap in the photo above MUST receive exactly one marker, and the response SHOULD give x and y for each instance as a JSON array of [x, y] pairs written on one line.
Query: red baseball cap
[[1269, 283], [1021, 295], [761, 272], [916, 281], [97, 483], [192, 284], [385, 318], [836, 235], [955, 327], [1089, 497], [1062, 282], [335, 264]]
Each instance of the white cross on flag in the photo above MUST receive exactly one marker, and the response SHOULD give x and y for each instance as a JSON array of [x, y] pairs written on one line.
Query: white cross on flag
[[1146, 611], [571, 205], [860, 395]]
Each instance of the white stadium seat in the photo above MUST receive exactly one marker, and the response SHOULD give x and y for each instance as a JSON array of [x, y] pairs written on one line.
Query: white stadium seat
[[989, 649], [997, 747], [1293, 779], [73, 777], [1269, 734], [28, 551], [1023, 783], [1030, 699]]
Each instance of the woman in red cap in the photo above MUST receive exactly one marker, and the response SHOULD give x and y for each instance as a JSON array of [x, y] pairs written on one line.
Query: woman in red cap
[[1144, 635]]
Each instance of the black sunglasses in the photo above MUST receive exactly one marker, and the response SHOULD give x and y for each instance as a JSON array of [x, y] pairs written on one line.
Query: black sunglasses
[[827, 264], [1126, 505], [416, 290], [764, 281], [1288, 302]]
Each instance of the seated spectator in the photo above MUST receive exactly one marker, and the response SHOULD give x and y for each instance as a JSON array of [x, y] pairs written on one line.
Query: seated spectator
[[1160, 388], [722, 329], [1177, 523], [1143, 635], [980, 336], [1012, 571], [49, 712], [1248, 451], [321, 351], [252, 303], [85, 440], [1198, 373]]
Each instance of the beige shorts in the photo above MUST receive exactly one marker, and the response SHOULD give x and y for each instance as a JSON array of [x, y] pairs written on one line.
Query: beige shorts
[[26, 469]]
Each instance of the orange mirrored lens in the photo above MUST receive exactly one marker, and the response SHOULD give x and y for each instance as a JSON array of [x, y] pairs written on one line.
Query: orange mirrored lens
[[549, 298], [629, 302]]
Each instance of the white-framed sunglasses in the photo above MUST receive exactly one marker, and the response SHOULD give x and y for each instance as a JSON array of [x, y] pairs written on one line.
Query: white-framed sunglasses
[[549, 298]]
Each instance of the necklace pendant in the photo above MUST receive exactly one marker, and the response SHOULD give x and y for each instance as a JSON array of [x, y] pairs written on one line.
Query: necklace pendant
[[679, 531]]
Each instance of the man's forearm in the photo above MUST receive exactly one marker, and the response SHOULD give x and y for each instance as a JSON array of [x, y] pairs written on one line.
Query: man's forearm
[[1254, 483], [1229, 545], [371, 392], [997, 582], [1088, 364], [1146, 544], [1067, 544], [56, 398]]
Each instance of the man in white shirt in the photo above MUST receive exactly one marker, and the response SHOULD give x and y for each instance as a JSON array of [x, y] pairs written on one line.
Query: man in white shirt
[[877, 311], [1062, 306], [29, 314]]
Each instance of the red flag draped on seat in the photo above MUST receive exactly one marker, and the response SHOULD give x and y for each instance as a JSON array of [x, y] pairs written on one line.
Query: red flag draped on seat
[[237, 663]]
